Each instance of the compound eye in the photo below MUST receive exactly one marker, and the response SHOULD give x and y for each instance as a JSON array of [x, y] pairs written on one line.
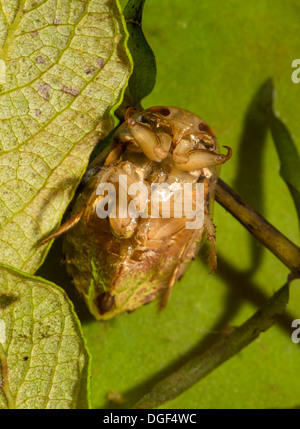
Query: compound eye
[[207, 136], [164, 111], [204, 128]]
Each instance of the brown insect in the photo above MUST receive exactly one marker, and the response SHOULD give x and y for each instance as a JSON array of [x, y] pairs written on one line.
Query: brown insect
[[135, 253]]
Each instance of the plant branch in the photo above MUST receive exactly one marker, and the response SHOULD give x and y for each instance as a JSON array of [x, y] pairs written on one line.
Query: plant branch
[[200, 366], [277, 243]]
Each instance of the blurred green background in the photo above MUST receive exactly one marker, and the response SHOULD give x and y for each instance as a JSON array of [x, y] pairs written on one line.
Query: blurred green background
[[212, 58]]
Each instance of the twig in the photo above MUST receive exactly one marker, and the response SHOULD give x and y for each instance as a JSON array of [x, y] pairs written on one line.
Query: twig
[[200, 366], [277, 243]]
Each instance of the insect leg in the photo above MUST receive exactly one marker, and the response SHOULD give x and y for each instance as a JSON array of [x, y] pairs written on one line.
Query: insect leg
[[201, 158], [210, 230], [154, 145], [114, 154], [69, 224], [123, 225]]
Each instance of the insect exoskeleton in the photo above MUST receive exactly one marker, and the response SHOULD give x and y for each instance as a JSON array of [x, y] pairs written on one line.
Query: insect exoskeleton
[[144, 210]]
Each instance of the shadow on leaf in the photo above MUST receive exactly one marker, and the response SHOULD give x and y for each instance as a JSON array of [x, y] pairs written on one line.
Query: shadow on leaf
[[249, 181]]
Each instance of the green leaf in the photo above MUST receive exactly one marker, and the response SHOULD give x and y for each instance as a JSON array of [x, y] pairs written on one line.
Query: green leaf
[[286, 149], [65, 69], [43, 360], [143, 77], [212, 58]]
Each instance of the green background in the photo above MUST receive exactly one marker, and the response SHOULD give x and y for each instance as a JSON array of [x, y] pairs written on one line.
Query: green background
[[212, 58]]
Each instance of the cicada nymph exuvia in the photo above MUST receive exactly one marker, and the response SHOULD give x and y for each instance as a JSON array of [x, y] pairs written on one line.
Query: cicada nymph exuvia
[[123, 250]]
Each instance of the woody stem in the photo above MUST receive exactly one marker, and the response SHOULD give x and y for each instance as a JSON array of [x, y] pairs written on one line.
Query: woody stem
[[275, 241]]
